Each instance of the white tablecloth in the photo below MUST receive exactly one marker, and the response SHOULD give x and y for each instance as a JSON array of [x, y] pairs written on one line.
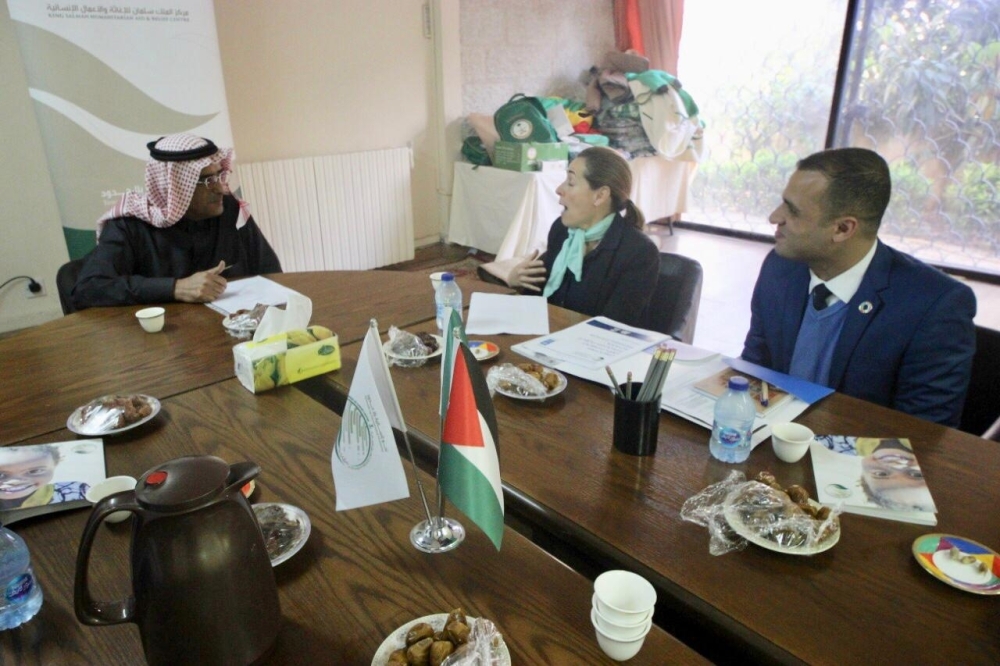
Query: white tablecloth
[[508, 213]]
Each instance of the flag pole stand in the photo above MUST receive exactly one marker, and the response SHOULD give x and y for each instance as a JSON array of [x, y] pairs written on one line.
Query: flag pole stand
[[437, 536]]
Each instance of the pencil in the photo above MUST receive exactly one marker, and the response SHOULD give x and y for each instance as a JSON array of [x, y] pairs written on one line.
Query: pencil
[[763, 394], [614, 382]]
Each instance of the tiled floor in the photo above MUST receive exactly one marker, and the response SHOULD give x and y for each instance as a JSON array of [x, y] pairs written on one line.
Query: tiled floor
[[730, 267]]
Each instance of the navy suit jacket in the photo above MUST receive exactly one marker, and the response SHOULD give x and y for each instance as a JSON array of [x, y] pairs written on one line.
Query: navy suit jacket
[[907, 341]]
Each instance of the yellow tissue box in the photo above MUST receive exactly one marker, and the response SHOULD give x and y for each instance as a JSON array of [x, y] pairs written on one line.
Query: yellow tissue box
[[286, 357]]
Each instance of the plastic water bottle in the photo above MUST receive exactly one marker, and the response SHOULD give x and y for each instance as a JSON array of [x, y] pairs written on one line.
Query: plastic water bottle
[[22, 595], [448, 295], [733, 424]]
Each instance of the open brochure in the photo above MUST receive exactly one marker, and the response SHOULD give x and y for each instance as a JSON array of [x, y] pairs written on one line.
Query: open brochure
[[872, 476], [635, 351], [714, 386], [45, 478]]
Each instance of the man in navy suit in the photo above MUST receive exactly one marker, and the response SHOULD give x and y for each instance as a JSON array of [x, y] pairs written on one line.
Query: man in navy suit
[[837, 307]]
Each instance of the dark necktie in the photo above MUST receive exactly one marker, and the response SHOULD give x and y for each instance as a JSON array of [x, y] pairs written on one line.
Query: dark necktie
[[819, 295]]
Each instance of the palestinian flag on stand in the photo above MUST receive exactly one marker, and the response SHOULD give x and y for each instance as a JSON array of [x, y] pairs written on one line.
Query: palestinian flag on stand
[[469, 462]]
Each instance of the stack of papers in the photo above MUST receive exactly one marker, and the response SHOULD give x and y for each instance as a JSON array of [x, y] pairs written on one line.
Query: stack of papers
[[247, 293], [585, 349]]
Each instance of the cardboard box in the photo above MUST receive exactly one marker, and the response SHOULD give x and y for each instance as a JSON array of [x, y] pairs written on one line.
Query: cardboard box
[[286, 358], [528, 156]]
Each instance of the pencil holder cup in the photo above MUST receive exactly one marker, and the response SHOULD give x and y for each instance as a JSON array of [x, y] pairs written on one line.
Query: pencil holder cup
[[636, 423]]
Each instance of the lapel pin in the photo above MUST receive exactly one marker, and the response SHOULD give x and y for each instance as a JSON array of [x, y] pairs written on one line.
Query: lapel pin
[[865, 307]]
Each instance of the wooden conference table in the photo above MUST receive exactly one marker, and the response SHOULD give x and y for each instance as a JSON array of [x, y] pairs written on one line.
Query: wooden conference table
[[867, 598], [52, 369], [354, 582]]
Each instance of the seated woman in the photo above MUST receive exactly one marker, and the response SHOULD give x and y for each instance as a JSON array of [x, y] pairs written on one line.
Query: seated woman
[[598, 260]]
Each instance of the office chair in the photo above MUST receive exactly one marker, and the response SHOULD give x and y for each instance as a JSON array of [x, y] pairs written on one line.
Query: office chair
[[65, 281], [674, 307], [981, 413]]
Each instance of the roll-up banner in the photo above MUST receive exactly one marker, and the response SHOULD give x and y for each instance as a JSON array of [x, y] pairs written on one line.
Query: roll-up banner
[[106, 79]]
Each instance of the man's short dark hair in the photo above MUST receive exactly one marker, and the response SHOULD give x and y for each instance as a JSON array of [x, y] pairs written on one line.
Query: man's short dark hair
[[858, 183]]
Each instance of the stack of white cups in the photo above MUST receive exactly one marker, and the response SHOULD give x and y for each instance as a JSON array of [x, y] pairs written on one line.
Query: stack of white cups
[[622, 612]]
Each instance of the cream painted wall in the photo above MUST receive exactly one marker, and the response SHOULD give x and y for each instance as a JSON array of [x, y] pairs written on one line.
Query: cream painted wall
[[315, 77], [536, 47], [32, 239]]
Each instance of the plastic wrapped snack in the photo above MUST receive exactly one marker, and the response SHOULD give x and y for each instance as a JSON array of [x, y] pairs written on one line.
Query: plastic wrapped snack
[[786, 520], [408, 350], [511, 379], [482, 649], [242, 323]]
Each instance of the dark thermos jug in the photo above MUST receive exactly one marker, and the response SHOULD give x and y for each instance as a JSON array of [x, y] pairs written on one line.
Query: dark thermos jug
[[203, 591]]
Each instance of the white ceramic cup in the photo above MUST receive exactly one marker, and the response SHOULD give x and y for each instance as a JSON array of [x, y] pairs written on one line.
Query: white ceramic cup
[[620, 632], [107, 487], [151, 319], [790, 441], [617, 649], [623, 597], [436, 279]]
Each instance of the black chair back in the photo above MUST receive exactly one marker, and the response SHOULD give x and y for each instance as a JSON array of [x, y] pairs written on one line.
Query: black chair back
[[674, 307], [982, 402], [65, 281]]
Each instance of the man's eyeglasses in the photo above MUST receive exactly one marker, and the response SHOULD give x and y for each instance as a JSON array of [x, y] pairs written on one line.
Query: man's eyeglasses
[[220, 178]]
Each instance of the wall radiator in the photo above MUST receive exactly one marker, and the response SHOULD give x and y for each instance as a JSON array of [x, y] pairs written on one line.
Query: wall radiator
[[337, 212]]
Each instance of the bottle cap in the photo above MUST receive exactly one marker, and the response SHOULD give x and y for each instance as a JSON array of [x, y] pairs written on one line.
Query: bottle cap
[[738, 383], [447, 277]]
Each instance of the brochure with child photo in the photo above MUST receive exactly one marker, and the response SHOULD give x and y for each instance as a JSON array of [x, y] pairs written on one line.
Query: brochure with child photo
[[872, 476], [45, 478], [715, 385]]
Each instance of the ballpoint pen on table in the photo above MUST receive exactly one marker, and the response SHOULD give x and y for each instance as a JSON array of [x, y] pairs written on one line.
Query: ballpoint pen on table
[[763, 394]]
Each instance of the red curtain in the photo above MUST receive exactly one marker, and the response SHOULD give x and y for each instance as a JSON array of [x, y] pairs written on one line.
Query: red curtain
[[628, 31], [651, 27]]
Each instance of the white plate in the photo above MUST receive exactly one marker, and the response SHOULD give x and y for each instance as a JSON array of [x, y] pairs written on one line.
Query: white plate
[[76, 423], [436, 352], [296, 515], [397, 639], [560, 387], [736, 522]]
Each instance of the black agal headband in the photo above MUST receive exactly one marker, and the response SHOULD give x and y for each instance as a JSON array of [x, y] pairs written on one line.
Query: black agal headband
[[181, 156]]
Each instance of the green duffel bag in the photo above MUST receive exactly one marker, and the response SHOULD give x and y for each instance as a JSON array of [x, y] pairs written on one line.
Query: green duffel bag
[[474, 150], [523, 119]]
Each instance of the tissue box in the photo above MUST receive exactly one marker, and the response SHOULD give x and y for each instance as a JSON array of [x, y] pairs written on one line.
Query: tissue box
[[527, 156], [286, 357]]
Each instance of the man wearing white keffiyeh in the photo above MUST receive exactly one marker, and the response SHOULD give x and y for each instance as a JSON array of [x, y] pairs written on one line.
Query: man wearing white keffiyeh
[[173, 241]]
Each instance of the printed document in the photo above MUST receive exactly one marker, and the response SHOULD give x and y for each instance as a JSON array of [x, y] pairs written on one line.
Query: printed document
[[245, 294], [591, 345], [492, 314]]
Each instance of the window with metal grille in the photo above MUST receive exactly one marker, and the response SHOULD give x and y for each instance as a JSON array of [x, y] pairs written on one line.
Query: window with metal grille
[[915, 80]]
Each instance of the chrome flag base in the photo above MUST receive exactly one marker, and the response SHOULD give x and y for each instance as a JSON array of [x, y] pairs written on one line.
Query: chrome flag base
[[440, 536]]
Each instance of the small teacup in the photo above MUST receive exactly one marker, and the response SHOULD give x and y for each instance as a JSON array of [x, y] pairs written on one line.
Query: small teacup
[[618, 631], [436, 279], [619, 649], [790, 441], [107, 487], [623, 597], [151, 319]]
